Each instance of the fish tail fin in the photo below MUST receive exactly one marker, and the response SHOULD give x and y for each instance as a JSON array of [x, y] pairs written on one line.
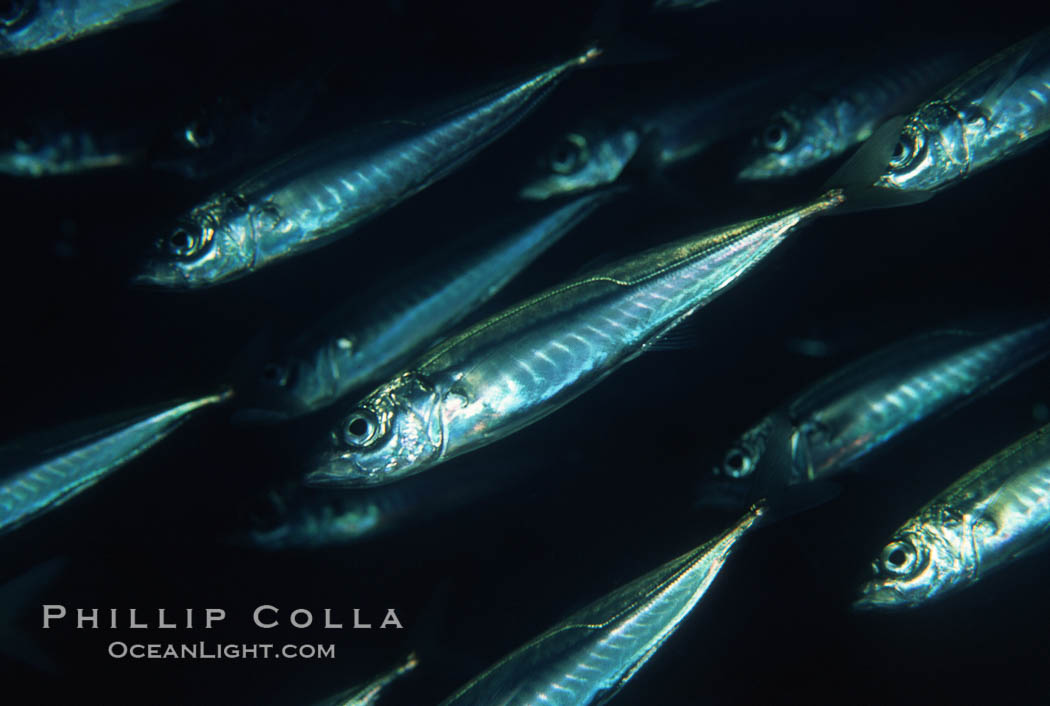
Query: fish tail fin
[[857, 176]]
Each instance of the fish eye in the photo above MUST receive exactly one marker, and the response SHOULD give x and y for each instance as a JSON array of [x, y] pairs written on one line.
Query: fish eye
[[182, 242], [898, 557], [907, 149], [275, 374], [14, 13], [737, 463], [776, 135], [361, 428], [199, 134], [569, 155]]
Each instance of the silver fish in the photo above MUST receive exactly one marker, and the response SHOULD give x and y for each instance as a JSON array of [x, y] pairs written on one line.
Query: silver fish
[[55, 149], [65, 473], [370, 693], [995, 111], [666, 132], [295, 517], [994, 514], [348, 349], [313, 197], [592, 654], [870, 403], [819, 125], [30, 25], [522, 364]]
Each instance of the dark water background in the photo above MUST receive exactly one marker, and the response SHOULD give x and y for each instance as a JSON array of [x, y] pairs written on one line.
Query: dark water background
[[612, 482]]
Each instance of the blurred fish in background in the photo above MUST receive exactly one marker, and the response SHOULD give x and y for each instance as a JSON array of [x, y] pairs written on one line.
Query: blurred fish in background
[[32, 25]]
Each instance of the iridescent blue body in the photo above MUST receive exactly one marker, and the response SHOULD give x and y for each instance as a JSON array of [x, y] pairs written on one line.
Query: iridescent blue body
[[29, 25], [349, 349], [312, 197], [44, 486], [819, 125], [522, 364], [370, 693], [595, 652], [870, 403], [992, 112], [994, 514]]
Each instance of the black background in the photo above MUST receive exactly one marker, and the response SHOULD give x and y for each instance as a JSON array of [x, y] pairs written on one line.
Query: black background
[[613, 482]]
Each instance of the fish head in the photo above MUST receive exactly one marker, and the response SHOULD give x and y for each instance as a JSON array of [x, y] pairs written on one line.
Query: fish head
[[919, 563], [213, 244], [774, 441], [273, 394], [23, 25], [931, 151], [393, 433], [787, 145], [582, 160]]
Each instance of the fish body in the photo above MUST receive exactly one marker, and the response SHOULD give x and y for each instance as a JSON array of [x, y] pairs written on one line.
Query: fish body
[[43, 486], [591, 655], [54, 149], [679, 5], [994, 111], [991, 516], [31, 25], [520, 365], [370, 693], [868, 404], [312, 197], [666, 132], [349, 349], [819, 125]]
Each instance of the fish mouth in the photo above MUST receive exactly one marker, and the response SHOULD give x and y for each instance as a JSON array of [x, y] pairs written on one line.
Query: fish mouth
[[759, 170], [538, 191], [341, 473], [156, 275], [874, 597]]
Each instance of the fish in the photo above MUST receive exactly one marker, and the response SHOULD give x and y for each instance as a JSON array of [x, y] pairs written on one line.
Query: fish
[[51, 147], [31, 25], [591, 655], [371, 693], [292, 516], [993, 515], [656, 134], [521, 364], [312, 197], [995, 111], [68, 470], [868, 405], [360, 343], [826, 121], [226, 130]]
